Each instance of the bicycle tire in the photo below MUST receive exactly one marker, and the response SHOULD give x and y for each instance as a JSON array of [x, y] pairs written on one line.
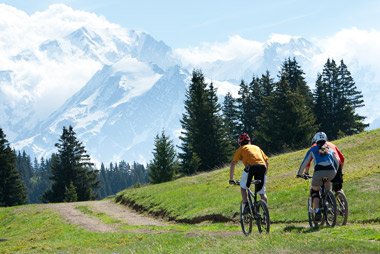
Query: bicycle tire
[[245, 220], [311, 213], [329, 209], [342, 208], [262, 217]]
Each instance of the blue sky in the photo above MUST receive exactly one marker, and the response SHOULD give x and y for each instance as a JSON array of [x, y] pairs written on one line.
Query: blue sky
[[182, 24]]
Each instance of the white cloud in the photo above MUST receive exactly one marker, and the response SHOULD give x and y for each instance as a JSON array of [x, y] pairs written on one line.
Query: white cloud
[[358, 48], [280, 38], [41, 82], [360, 51], [138, 77], [236, 47]]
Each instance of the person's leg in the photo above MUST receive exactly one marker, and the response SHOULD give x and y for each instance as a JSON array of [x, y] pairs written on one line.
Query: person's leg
[[243, 184], [316, 184], [244, 195], [337, 181], [314, 193], [331, 175], [260, 175], [264, 197]]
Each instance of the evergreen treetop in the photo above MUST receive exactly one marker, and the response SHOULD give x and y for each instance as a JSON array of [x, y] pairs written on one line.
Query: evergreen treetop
[[12, 189]]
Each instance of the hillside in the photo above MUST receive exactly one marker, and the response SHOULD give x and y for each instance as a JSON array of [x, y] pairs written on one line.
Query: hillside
[[207, 206], [208, 196]]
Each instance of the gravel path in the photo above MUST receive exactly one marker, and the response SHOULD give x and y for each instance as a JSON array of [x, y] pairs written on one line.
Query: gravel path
[[116, 211], [111, 209]]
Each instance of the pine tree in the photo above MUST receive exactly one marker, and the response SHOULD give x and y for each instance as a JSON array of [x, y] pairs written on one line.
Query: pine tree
[[164, 164], [267, 85], [349, 100], [294, 75], [231, 118], [245, 104], [257, 103], [336, 99], [202, 139], [218, 149], [71, 165], [325, 98], [12, 190], [286, 123], [71, 193], [24, 167]]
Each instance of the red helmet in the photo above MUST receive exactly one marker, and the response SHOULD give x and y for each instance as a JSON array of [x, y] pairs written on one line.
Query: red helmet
[[243, 137]]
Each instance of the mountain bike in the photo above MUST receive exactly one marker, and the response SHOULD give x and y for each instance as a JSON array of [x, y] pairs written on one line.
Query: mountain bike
[[258, 211], [342, 208], [327, 205]]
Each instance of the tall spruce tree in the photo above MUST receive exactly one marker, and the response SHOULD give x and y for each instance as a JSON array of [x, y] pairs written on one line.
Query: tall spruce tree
[[218, 149], [164, 164], [349, 100], [257, 105], [202, 142], [336, 99], [286, 124], [267, 85], [294, 75], [12, 190], [24, 167], [231, 119], [71, 165], [245, 104], [325, 98]]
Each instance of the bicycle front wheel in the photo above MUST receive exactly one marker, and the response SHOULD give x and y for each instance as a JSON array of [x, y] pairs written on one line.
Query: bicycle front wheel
[[342, 208], [245, 220], [262, 217], [329, 209]]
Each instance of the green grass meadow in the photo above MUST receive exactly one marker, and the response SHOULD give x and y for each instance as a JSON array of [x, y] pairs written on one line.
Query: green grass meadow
[[201, 212]]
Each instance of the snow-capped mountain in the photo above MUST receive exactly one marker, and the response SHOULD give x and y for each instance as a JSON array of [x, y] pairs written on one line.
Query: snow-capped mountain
[[119, 88], [118, 112]]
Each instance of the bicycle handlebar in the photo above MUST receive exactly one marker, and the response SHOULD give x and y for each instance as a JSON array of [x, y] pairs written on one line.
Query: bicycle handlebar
[[305, 176], [234, 182], [237, 182]]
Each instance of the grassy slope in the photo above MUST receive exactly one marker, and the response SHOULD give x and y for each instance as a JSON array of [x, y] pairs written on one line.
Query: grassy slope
[[208, 195], [28, 229]]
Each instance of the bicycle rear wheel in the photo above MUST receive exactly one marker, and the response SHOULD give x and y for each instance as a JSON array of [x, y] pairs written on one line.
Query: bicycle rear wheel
[[329, 209], [311, 213], [342, 208], [262, 217], [245, 220]]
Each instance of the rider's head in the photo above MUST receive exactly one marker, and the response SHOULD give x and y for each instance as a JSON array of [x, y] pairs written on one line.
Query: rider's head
[[321, 139], [319, 136], [243, 139]]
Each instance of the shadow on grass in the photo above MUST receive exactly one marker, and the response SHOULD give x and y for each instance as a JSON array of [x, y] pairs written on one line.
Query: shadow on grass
[[300, 229]]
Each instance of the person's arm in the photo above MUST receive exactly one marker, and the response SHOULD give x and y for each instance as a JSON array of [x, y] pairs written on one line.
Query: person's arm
[[232, 170], [336, 161], [304, 163], [340, 155]]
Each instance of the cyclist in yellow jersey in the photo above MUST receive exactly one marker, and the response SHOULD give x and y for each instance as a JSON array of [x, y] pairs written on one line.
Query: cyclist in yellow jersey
[[256, 165]]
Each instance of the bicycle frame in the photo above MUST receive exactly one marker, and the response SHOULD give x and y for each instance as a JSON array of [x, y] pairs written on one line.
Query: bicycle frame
[[252, 204], [255, 207], [327, 205]]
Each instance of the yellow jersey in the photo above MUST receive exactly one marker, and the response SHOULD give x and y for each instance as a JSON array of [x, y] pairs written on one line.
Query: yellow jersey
[[250, 155]]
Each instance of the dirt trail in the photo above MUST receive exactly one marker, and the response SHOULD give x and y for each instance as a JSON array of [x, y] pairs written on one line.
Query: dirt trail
[[116, 211], [111, 209]]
